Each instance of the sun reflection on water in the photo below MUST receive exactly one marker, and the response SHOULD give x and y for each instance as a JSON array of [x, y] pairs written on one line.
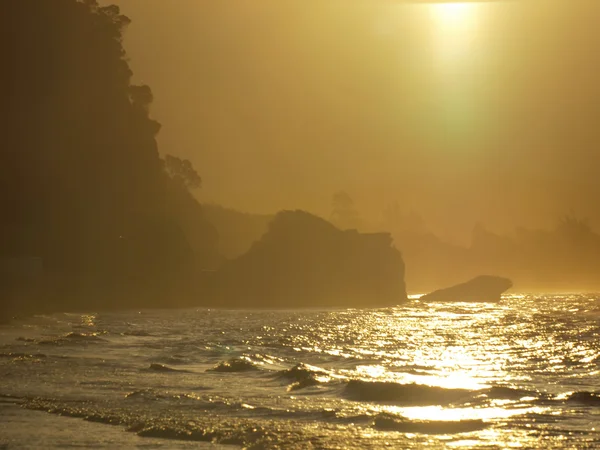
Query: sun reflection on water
[[440, 413], [471, 347], [460, 375]]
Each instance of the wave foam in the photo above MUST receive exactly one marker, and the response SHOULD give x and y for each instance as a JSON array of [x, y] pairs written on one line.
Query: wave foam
[[304, 375], [585, 398], [156, 367]]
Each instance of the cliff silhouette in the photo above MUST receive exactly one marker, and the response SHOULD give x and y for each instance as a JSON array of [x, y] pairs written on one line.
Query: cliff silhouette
[[305, 261], [92, 216]]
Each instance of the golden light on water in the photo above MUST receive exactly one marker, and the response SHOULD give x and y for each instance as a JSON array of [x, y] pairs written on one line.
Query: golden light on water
[[439, 413]]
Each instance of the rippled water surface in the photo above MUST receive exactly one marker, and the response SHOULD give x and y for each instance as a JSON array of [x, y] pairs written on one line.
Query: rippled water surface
[[523, 373]]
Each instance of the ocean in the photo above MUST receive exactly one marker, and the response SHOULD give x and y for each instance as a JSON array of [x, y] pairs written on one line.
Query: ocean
[[522, 373]]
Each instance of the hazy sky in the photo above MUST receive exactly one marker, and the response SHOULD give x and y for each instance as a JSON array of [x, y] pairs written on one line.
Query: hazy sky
[[481, 111]]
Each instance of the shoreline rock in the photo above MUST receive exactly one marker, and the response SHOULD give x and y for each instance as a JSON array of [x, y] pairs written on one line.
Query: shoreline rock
[[305, 261], [484, 288]]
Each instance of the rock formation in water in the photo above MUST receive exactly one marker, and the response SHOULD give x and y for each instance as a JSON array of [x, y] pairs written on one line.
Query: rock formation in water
[[484, 288], [305, 261]]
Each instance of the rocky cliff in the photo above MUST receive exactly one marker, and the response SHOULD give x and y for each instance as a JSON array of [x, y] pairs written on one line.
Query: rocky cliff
[[304, 261], [484, 288]]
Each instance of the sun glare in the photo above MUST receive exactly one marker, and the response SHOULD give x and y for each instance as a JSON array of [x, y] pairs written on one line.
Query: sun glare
[[452, 14], [454, 28]]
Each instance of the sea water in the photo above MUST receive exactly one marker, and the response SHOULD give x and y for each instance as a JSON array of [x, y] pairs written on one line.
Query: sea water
[[522, 373]]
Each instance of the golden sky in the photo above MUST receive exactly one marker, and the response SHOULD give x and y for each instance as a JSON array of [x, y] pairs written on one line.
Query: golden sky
[[464, 112]]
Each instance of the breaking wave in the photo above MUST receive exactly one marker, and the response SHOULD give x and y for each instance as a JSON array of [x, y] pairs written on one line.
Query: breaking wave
[[585, 398], [70, 338], [235, 365], [155, 367], [406, 394], [304, 375]]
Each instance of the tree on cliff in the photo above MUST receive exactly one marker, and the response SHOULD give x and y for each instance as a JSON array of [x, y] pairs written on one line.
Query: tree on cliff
[[574, 229], [343, 211], [82, 181], [182, 171]]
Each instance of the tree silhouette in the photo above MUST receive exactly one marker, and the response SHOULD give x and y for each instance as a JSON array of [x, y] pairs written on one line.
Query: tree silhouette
[[182, 171], [573, 228], [343, 211]]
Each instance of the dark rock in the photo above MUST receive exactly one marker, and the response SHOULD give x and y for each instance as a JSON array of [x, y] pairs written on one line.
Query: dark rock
[[484, 288], [305, 261]]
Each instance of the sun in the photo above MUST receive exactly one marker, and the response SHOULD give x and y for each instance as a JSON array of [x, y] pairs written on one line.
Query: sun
[[454, 29], [453, 14]]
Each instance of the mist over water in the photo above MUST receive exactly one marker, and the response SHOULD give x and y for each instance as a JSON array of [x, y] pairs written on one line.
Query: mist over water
[[523, 372]]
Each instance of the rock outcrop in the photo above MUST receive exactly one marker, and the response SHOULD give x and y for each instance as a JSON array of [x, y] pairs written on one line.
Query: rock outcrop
[[304, 261], [484, 288]]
